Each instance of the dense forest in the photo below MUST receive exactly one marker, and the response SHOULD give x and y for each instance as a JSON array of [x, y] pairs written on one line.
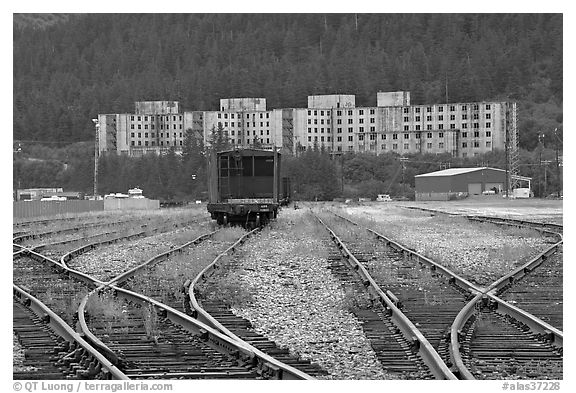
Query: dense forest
[[68, 68]]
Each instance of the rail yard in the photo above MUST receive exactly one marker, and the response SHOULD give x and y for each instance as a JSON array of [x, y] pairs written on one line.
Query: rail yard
[[378, 291]]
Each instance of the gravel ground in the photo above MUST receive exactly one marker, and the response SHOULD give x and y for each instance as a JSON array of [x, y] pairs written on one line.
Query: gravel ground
[[297, 303], [18, 356], [109, 261], [480, 252]]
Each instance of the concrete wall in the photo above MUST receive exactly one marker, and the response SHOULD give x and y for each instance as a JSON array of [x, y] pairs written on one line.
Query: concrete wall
[[27, 209], [394, 98], [131, 204]]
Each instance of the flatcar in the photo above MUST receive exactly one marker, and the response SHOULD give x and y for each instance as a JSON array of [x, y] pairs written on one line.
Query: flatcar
[[245, 187]]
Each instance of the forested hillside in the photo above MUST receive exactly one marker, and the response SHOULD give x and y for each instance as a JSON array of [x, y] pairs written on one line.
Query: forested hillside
[[68, 69]]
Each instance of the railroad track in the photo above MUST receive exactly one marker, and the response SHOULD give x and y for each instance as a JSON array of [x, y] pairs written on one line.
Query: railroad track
[[402, 298], [396, 354], [472, 343], [217, 314], [50, 348]]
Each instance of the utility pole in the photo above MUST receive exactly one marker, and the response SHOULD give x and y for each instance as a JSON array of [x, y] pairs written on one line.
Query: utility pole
[[96, 155], [557, 162], [403, 162], [540, 148]]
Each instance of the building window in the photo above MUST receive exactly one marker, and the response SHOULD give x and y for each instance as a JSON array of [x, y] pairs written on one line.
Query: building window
[[339, 130], [488, 116], [440, 126], [406, 136], [349, 121], [441, 145], [361, 112], [394, 136], [132, 126], [384, 146], [475, 117], [464, 135], [429, 145], [350, 138], [476, 125], [371, 111], [476, 144], [338, 113], [417, 118], [406, 118], [488, 144], [406, 146], [452, 126], [476, 134], [488, 125], [428, 118], [309, 139], [428, 109], [372, 129], [309, 112], [139, 143], [429, 135], [350, 129], [132, 143], [361, 137], [464, 125], [339, 139], [361, 129], [440, 135], [452, 108], [418, 136], [464, 144], [406, 128], [488, 134], [475, 107], [417, 127], [487, 107], [440, 109], [406, 110], [464, 108], [440, 117], [349, 112], [394, 146], [417, 110], [139, 126], [429, 127], [383, 136]]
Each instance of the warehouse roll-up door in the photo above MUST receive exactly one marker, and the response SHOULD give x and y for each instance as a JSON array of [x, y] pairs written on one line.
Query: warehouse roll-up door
[[474, 188]]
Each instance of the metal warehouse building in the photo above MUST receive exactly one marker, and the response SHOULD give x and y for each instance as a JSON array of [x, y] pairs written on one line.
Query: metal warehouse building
[[460, 182]]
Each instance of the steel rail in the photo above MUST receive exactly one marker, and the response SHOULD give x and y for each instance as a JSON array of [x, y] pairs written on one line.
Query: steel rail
[[434, 266], [286, 371], [210, 336], [456, 337], [158, 258], [63, 330], [431, 358]]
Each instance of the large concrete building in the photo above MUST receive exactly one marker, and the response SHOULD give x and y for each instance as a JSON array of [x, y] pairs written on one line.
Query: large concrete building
[[331, 121]]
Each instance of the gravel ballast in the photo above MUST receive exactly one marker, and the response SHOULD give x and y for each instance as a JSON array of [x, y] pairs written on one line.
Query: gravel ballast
[[480, 252], [297, 303]]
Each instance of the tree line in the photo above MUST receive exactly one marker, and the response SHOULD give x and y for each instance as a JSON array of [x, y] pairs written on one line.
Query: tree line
[[315, 174], [69, 68]]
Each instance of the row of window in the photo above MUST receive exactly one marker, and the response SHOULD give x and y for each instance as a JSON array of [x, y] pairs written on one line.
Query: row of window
[[232, 124], [452, 126], [248, 132], [153, 143], [160, 117], [152, 126], [240, 115], [452, 108], [475, 116], [394, 146], [153, 135]]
